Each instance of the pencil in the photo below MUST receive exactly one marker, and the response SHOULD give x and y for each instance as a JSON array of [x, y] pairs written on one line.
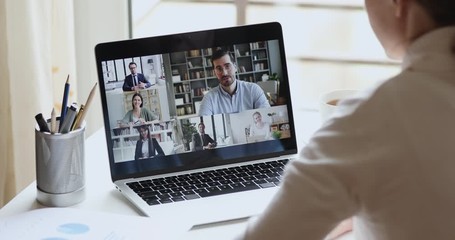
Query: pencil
[[78, 117], [53, 121], [86, 106], [66, 91]]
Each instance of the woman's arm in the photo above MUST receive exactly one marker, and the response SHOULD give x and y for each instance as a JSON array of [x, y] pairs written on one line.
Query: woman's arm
[[147, 115], [127, 118]]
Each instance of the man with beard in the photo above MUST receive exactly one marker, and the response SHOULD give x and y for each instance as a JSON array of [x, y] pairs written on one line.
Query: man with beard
[[231, 95]]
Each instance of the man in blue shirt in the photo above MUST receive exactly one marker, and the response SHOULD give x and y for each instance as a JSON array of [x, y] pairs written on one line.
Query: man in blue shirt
[[231, 95]]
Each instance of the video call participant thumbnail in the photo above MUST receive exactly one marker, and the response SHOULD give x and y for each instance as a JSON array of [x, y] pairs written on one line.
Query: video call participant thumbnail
[[231, 95], [135, 81]]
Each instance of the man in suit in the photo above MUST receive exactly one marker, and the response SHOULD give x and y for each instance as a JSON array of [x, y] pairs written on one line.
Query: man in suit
[[202, 141], [135, 81]]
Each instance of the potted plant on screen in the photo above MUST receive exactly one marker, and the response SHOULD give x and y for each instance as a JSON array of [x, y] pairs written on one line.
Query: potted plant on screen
[[188, 130]]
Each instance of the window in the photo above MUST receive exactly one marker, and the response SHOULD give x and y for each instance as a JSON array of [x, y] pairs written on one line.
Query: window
[[329, 43]]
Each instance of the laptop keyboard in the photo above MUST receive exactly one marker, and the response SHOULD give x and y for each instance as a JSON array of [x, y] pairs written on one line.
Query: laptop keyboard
[[210, 183]]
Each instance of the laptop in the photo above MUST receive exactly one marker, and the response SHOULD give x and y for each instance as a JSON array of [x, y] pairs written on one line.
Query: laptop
[[172, 181]]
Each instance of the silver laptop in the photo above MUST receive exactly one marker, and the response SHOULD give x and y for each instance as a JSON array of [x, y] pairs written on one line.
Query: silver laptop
[[153, 161]]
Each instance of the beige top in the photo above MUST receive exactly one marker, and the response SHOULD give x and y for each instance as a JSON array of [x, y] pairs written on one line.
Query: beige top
[[387, 158]]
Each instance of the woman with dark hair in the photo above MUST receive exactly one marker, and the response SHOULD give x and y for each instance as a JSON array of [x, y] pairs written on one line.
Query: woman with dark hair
[[138, 114], [147, 146], [386, 157]]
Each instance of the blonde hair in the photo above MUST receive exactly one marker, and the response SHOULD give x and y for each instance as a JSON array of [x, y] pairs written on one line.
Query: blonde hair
[[256, 113]]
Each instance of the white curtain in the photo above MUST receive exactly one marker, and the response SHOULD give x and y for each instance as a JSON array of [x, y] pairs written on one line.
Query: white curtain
[[37, 54], [37, 51]]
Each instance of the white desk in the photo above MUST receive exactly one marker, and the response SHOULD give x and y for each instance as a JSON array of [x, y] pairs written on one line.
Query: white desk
[[101, 194]]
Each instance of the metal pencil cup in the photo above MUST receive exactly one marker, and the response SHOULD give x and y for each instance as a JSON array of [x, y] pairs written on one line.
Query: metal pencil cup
[[60, 167]]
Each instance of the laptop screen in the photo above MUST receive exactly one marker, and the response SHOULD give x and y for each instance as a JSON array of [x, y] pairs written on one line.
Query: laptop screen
[[199, 99]]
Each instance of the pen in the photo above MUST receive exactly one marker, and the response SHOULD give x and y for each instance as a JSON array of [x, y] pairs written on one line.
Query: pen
[[41, 123], [53, 121], [86, 106], [64, 101], [70, 115]]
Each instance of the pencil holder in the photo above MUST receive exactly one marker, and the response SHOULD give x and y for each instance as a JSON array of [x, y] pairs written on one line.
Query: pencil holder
[[60, 167]]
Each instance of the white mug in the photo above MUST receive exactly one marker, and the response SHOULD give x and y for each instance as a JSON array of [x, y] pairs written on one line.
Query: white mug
[[329, 101]]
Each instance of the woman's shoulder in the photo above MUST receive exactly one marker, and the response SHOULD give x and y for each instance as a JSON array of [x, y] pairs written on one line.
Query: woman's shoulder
[[145, 110], [127, 114]]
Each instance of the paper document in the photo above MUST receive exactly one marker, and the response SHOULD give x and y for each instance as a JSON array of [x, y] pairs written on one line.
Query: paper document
[[69, 223]]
